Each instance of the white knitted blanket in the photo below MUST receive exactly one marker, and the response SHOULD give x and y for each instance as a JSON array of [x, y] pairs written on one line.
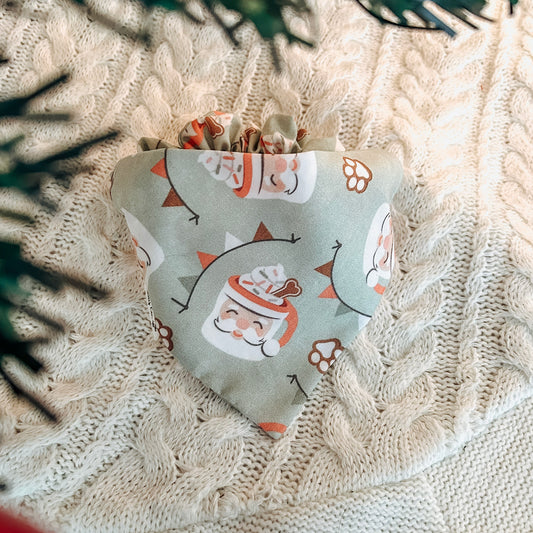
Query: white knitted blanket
[[142, 446]]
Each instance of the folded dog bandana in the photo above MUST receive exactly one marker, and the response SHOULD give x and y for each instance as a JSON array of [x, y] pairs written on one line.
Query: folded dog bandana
[[265, 253]]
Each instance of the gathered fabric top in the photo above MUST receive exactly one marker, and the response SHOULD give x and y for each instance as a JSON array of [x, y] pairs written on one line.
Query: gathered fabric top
[[222, 131]]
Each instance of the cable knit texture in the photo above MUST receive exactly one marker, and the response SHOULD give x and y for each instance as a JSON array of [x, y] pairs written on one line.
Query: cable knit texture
[[141, 444]]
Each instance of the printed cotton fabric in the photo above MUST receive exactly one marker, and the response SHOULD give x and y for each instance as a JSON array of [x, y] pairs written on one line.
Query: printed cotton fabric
[[262, 261]]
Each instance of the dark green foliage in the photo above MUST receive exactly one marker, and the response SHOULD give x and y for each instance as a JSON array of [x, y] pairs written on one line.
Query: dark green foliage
[[12, 266], [268, 16], [17, 107], [27, 177], [395, 12], [265, 15]]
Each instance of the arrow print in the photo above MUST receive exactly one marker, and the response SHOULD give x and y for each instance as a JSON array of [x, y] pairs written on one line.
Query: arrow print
[[184, 307], [294, 379]]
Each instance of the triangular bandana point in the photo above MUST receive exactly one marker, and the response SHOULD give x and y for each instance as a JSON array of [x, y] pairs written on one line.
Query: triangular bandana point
[[255, 307]]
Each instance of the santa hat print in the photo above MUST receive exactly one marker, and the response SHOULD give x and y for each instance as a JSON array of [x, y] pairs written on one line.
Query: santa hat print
[[251, 175]]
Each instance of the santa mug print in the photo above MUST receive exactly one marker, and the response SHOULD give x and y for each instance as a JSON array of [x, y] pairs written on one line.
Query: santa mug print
[[258, 286], [249, 310], [264, 177]]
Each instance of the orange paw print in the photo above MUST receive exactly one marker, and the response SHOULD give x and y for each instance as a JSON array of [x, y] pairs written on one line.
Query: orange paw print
[[324, 353], [358, 175], [165, 333]]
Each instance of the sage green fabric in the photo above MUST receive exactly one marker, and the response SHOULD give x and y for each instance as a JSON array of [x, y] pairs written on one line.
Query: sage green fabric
[[260, 267]]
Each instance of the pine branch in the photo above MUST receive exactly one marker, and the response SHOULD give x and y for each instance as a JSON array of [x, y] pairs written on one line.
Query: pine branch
[[268, 17], [28, 178], [17, 107], [393, 12]]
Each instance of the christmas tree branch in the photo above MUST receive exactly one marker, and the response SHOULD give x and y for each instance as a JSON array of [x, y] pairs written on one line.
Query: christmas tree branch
[[28, 177]]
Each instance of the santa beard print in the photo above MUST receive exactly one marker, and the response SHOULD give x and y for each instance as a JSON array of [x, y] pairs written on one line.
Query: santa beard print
[[379, 250], [384, 252], [279, 175], [218, 333], [237, 330], [229, 326]]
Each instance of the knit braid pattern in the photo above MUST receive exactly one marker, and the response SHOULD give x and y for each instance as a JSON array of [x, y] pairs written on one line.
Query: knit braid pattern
[[141, 444]]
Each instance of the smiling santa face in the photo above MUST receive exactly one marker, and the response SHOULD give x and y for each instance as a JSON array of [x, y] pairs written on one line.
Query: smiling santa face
[[242, 323], [280, 174], [289, 177], [249, 311]]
